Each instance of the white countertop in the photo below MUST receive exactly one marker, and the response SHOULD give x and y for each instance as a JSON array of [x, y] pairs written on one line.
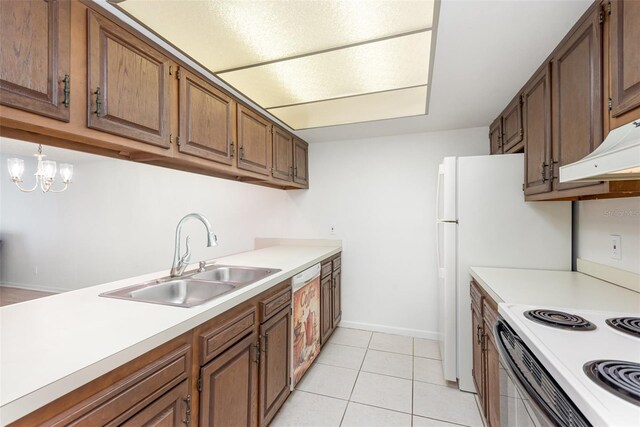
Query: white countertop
[[555, 288], [53, 345]]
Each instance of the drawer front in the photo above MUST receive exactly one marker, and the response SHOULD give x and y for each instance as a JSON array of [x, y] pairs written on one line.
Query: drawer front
[[119, 402], [216, 340], [476, 297], [337, 263], [325, 269], [272, 305]]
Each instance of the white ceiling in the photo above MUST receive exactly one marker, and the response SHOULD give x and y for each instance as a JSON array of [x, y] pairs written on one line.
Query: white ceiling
[[485, 52]]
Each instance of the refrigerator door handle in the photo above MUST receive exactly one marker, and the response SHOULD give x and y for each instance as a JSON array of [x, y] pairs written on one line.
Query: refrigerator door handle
[[438, 201]]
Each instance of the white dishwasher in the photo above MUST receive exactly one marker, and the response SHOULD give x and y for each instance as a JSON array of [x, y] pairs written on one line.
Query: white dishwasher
[[305, 334]]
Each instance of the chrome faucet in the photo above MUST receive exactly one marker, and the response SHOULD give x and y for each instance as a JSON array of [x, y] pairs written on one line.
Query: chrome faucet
[[180, 263]]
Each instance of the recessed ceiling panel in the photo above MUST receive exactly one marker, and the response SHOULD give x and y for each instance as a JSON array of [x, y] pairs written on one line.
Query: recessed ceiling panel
[[375, 106], [227, 34], [372, 67]]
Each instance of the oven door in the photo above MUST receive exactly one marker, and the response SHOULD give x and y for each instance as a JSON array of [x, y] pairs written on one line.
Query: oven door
[[529, 396]]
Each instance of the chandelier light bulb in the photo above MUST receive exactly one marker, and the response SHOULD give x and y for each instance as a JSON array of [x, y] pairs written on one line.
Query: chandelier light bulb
[[66, 172], [49, 168], [16, 168]]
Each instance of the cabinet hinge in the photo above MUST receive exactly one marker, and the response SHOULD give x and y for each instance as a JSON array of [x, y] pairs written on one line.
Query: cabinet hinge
[[522, 187], [170, 70], [200, 384], [610, 104], [521, 132], [601, 17], [178, 140], [178, 73], [609, 8]]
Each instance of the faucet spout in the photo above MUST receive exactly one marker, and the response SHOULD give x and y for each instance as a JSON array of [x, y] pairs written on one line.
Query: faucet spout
[[180, 263]]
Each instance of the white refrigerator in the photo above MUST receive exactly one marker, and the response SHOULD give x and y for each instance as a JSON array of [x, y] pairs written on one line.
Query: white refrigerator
[[483, 220]]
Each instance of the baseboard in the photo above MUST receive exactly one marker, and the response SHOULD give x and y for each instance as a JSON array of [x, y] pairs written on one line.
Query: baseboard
[[35, 287], [416, 333]]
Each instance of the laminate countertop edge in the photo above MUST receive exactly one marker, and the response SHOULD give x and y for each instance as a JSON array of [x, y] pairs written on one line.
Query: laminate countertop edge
[[53, 345], [550, 288]]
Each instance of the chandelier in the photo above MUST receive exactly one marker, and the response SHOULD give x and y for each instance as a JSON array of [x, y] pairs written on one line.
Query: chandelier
[[45, 173]]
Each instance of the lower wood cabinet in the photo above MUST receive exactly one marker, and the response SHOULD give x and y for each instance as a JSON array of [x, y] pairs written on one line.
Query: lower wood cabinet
[[486, 362], [229, 386], [275, 358], [172, 409], [330, 297]]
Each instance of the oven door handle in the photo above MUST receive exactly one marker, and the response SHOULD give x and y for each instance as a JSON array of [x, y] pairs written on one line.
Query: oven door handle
[[516, 374]]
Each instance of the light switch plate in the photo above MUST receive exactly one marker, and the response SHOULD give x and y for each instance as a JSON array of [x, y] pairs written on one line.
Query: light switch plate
[[616, 249]]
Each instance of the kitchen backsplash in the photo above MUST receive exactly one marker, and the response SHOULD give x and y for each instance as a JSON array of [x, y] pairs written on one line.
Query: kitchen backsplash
[[597, 220]]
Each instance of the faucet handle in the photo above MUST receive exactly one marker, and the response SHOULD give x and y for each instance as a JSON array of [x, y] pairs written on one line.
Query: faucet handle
[[201, 266]]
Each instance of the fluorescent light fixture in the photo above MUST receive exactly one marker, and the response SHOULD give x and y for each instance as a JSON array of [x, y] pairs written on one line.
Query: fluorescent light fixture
[[285, 54]]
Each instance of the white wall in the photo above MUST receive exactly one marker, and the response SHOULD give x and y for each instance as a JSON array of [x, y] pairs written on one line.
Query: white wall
[[597, 220], [118, 220], [380, 193]]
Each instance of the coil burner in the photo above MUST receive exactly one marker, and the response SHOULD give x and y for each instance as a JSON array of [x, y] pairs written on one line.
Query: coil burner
[[559, 319], [628, 325], [619, 377]]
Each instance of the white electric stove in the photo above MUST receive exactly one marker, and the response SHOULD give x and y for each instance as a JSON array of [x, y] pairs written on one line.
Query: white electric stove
[[566, 342]]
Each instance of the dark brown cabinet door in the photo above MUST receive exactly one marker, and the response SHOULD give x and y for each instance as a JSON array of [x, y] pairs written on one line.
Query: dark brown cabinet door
[[128, 89], [167, 411], [254, 141], [478, 368], [492, 381], [300, 162], [274, 364], [206, 119], [326, 310], [230, 386], [282, 167], [336, 297], [34, 56], [576, 96], [512, 131], [495, 136], [536, 112], [625, 56]]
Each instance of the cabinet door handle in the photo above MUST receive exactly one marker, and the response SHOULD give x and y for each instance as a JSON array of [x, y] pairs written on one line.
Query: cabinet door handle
[[291, 171], [98, 101], [478, 333], [232, 149], [543, 168], [295, 171], [266, 343], [187, 418], [66, 90], [257, 351], [241, 152]]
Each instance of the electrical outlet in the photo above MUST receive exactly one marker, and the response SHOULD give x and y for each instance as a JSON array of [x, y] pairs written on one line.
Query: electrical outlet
[[616, 249], [332, 229]]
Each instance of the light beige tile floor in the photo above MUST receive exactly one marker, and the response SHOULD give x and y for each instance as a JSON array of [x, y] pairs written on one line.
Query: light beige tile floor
[[378, 380]]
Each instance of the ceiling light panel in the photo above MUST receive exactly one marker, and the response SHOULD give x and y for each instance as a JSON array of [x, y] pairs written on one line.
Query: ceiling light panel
[[375, 106], [224, 34], [394, 63]]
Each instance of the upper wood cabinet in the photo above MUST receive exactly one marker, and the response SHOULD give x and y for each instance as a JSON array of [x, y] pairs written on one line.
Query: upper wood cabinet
[[207, 119], [576, 96], [282, 167], [512, 130], [254, 141], [536, 122], [128, 87], [300, 162], [624, 33], [495, 136], [35, 56]]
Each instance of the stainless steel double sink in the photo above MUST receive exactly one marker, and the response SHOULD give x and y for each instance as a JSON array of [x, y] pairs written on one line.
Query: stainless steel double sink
[[194, 288]]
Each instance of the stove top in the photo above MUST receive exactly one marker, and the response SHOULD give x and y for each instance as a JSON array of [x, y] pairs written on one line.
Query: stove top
[[560, 319], [628, 325], [577, 358], [618, 376]]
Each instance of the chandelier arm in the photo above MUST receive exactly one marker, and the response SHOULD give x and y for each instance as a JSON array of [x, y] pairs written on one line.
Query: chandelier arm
[[24, 190], [66, 185]]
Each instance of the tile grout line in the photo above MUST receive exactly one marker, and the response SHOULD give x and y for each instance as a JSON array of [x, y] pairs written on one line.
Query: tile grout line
[[413, 375], [356, 381]]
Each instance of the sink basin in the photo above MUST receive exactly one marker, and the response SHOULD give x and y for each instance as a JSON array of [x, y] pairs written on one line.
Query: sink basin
[[234, 274], [195, 288], [181, 292]]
